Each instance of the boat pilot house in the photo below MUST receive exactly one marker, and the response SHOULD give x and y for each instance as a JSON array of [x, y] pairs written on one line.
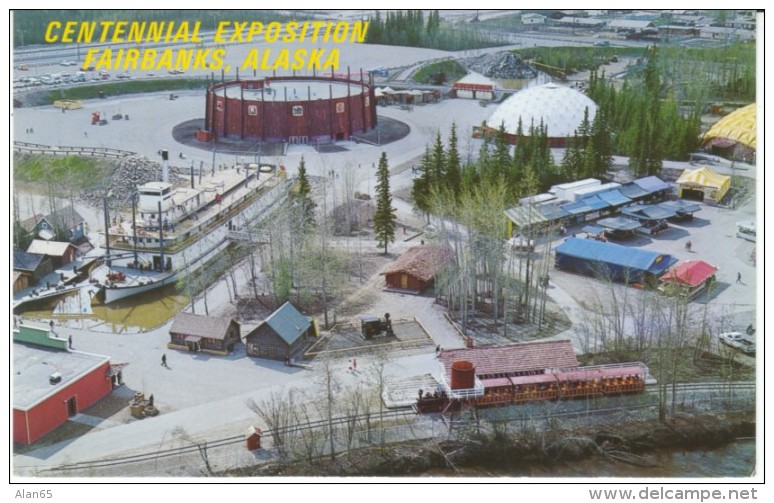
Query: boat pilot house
[[207, 334], [282, 336]]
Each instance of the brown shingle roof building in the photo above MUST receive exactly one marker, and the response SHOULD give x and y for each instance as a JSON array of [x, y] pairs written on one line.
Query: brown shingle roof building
[[513, 360], [203, 333], [415, 270]]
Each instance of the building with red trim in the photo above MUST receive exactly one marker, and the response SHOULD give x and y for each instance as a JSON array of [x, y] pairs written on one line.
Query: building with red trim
[[52, 383], [474, 86], [289, 109]]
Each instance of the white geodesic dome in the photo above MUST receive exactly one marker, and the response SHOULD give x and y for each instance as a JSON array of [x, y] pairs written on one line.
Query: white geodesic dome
[[560, 108]]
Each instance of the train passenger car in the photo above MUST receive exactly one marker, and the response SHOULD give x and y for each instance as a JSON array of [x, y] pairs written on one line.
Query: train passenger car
[[534, 387], [556, 384]]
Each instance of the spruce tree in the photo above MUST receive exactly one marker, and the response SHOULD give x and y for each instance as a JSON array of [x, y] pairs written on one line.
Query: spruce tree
[[420, 190], [602, 143], [453, 164], [303, 200], [437, 163], [384, 217], [303, 180]]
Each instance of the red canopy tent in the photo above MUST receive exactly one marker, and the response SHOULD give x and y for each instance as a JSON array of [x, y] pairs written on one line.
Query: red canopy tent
[[691, 273]]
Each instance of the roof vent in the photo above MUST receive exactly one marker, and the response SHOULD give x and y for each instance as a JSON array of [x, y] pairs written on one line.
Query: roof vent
[[55, 378]]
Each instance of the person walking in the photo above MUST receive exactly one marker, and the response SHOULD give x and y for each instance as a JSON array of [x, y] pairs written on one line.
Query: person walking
[[164, 360], [688, 245], [70, 341], [739, 277]]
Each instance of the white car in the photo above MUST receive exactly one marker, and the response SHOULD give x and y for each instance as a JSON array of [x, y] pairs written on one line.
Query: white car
[[68, 62], [738, 340]]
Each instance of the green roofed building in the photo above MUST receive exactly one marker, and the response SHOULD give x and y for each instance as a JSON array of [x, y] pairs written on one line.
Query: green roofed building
[[282, 335]]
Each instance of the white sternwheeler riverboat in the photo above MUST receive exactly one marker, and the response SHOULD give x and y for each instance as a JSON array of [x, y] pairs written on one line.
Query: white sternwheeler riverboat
[[174, 230]]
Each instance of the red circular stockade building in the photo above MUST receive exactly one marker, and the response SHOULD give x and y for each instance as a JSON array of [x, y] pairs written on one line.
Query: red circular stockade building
[[292, 109]]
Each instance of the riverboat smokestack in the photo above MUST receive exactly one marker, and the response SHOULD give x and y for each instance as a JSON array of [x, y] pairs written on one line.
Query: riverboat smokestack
[[165, 166]]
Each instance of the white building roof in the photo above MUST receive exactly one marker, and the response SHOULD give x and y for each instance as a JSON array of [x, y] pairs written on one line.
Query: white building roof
[[630, 24], [50, 248], [476, 78], [560, 108], [33, 365]]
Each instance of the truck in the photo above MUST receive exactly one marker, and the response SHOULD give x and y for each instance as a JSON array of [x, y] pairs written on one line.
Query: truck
[[739, 341]]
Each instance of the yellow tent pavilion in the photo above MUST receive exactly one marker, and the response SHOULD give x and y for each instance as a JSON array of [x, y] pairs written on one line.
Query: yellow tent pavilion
[[703, 184], [735, 134]]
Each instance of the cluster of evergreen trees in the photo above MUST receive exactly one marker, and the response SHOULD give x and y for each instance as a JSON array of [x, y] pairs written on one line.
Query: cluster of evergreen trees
[[411, 28], [589, 151], [648, 122], [530, 168], [403, 28]]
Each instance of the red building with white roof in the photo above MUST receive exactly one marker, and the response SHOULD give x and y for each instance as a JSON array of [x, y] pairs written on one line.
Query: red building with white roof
[[52, 383]]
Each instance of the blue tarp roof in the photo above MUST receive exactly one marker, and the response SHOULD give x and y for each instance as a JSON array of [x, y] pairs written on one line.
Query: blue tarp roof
[[632, 190], [619, 223], [614, 197], [657, 212], [649, 212], [551, 211], [625, 256], [652, 184], [681, 206], [577, 208], [592, 229], [288, 323], [595, 203]]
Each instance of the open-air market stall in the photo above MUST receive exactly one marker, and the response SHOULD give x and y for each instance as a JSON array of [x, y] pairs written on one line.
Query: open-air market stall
[[619, 227], [653, 217], [684, 210]]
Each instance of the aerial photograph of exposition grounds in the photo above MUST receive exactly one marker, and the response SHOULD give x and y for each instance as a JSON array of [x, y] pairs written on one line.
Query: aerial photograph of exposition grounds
[[405, 244]]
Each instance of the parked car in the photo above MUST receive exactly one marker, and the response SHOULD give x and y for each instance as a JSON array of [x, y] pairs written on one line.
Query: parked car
[[739, 341], [521, 243]]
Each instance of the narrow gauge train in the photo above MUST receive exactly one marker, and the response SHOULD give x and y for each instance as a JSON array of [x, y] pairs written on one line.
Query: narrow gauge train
[[557, 384]]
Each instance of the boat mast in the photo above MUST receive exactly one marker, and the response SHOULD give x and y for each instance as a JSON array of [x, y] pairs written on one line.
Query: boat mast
[[107, 232], [134, 227], [161, 239]]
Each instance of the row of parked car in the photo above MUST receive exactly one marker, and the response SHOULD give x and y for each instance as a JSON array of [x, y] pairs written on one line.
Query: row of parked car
[[52, 79]]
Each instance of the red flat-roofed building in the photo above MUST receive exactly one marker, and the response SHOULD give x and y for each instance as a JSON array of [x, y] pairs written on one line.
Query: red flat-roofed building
[[52, 383]]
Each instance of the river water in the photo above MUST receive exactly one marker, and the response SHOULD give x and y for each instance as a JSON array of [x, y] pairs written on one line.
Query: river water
[[735, 460]]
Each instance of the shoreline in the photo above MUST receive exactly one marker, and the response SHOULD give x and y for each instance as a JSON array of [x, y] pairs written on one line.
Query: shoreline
[[517, 453]]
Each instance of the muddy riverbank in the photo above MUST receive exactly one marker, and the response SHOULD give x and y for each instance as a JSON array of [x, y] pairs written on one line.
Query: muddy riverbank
[[641, 448]]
